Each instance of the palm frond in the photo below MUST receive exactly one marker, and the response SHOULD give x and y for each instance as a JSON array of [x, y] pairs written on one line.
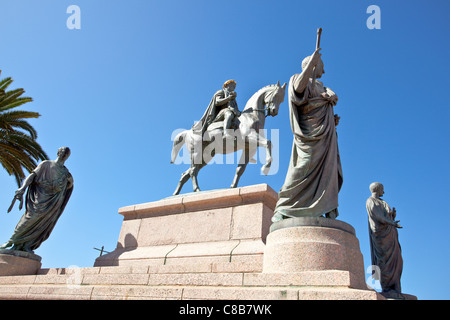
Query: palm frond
[[14, 103], [9, 97], [13, 125], [19, 149], [12, 168], [4, 83], [19, 114]]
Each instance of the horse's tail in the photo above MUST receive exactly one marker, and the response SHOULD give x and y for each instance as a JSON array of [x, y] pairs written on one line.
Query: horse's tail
[[178, 142]]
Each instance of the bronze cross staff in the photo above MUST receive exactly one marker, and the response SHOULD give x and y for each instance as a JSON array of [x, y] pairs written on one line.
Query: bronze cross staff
[[102, 250], [319, 33]]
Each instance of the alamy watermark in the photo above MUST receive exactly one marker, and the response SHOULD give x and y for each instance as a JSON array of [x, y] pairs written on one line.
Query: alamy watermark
[[255, 146], [374, 20], [373, 281], [74, 20], [75, 277]]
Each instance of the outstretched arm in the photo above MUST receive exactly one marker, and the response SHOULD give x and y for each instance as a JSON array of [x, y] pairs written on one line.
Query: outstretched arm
[[19, 193], [301, 81], [26, 183]]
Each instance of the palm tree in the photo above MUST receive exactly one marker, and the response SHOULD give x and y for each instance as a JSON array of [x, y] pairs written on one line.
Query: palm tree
[[18, 146]]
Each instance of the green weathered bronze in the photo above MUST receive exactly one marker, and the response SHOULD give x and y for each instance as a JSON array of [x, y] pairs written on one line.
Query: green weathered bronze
[[49, 188], [385, 248], [314, 176], [223, 129]]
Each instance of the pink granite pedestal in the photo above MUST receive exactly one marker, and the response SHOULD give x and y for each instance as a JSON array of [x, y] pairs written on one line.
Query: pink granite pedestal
[[14, 263], [228, 225], [218, 244], [319, 246], [214, 244]]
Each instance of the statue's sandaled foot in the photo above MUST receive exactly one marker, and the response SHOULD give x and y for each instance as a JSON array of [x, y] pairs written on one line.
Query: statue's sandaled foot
[[332, 214], [6, 245], [17, 247], [277, 217], [22, 247], [27, 249]]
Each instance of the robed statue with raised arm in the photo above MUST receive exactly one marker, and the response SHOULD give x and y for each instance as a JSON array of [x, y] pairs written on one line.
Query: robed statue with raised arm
[[314, 176]]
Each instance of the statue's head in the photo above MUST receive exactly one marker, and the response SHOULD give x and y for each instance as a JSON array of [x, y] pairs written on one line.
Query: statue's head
[[63, 153], [230, 85], [377, 189], [318, 70]]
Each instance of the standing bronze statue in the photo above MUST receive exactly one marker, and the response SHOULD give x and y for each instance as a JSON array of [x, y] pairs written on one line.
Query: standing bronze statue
[[49, 188], [384, 245], [314, 176]]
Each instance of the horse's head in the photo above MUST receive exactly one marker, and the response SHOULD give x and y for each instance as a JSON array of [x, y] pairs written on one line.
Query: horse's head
[[273, 98]]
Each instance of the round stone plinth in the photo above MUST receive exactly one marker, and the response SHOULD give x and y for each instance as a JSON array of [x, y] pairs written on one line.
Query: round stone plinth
[[312, 222], [312, 244], [15, 263]]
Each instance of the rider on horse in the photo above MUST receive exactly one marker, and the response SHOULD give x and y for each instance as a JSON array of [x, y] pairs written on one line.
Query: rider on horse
[[222, 108]]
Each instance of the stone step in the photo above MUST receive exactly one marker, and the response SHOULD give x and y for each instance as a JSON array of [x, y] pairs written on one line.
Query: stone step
[[139, 276], [216, 267], [120, 292], [206, 253], [280, 293]]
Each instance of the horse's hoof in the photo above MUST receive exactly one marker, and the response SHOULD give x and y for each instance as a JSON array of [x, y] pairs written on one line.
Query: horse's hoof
[[265, 170]]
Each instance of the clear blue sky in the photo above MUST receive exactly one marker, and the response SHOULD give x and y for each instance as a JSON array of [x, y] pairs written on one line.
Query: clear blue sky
[[115, 90]]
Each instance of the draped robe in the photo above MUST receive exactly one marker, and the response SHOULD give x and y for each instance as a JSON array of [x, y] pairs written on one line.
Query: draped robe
[[384, 245], [314, 176], [45, 201]]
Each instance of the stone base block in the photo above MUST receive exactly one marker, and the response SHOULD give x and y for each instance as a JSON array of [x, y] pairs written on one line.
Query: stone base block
[[14, 263], [209, 245], [206, 227], [314, 244], [180, 282]]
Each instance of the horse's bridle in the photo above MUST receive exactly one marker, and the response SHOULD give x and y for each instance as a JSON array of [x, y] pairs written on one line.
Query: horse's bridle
[[262, 110]]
